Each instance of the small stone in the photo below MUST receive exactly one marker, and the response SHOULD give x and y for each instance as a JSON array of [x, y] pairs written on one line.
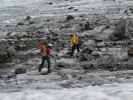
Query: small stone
[[69, 17], [20, 71], [28, 18]]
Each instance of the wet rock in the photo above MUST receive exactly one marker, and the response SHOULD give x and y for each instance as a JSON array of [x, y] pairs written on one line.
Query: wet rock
[[69, 17], [20, 71]]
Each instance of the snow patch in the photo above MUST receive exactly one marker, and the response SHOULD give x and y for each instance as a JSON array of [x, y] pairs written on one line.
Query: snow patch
[[105, 92]]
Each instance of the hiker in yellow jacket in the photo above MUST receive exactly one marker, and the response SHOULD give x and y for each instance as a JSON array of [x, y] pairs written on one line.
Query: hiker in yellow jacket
[[75, 40]]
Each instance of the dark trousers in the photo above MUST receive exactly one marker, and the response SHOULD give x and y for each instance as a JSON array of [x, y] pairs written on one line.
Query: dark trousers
[[42, 63], [74, 47]]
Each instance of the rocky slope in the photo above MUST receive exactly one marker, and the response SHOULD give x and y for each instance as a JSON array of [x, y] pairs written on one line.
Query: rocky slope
[[106, 36]]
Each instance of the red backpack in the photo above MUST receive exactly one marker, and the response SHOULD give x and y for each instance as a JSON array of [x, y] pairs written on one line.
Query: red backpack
[[40, 46]]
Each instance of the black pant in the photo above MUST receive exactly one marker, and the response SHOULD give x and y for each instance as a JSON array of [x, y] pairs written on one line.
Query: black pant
[[42, 63], [74, 47]]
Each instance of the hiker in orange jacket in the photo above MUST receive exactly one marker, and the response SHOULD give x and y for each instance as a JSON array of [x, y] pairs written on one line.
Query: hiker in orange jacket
[[75, 41], [45, 52]]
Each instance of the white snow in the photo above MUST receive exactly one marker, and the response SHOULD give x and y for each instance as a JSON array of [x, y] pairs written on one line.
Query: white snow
[[105, 92], [5, 3]]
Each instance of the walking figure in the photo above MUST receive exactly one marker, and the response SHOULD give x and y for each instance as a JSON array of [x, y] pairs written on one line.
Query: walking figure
[[75, 41], [45, 52]]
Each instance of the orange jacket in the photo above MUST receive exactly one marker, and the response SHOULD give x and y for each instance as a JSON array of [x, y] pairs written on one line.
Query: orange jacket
[[44, 50]]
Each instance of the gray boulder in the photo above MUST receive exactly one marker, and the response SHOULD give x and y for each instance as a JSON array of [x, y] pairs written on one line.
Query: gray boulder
[[6, 53], [20, 71], [120, 31], [69, 17]]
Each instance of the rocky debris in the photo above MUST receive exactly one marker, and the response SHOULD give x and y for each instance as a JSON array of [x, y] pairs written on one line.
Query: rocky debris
[[20, 24], [11, 51], [93, 54], [7, 52], [69, 17], [31, 22], [28, 18], [131, 10], [75, 9], [120, 31], [65, 63], [107, 58], [84, 55], [3, 56], [50, 3], [20, 71], [17, 35], [85, 26], [71, 8], [87, 66]]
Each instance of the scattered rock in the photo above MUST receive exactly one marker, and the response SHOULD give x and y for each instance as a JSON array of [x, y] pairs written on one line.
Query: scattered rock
[[85, 27], [75, 9], [71, 8], [87, 66], [69, 17], [28, 18], [20, 71], [97, 83], [50, 3], [6, 53], [20, 24], [31, 22], [119, 32], [11, 51]]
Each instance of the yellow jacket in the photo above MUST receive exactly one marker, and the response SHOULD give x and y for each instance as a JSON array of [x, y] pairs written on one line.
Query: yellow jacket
[[75, 40]]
